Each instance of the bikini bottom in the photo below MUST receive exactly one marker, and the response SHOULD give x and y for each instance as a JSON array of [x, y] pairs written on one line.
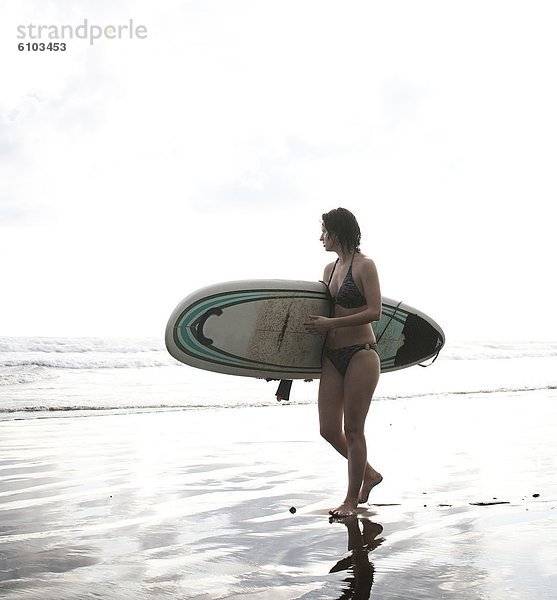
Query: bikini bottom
[[341, 357]]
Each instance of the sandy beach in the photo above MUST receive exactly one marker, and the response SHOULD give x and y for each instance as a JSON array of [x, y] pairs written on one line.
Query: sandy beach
[[196, 504]]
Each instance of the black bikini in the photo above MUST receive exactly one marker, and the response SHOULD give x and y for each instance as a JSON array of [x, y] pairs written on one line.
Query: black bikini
[[348, 296], [341, 357]]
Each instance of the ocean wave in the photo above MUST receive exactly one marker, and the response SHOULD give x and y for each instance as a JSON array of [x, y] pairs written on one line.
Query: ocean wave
[[498, 350], [60, 345], [152, 351], [511, 389], [87, 362], [133, 408], [28, 360], [84, 353], [53, 409], [25, 374]]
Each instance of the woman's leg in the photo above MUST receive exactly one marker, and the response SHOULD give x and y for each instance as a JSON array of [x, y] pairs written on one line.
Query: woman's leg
[[331, 415], [331, 407], [360, 381]]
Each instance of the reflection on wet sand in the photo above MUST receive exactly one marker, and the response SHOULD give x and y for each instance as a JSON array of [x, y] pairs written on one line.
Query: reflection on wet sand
[[152, 507], [358, 566]]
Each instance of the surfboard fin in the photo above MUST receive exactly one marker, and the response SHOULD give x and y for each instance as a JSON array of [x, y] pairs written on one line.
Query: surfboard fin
[[283, 390]]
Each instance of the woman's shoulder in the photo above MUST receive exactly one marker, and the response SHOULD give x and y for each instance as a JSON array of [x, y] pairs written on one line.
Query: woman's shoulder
[[363, 259], [329, 268], [365, 263]]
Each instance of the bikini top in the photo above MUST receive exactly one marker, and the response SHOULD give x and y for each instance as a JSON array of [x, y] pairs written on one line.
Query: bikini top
[[348, 295]]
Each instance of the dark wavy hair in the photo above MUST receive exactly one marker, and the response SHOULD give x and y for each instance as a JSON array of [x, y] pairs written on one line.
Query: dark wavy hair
[[341, 223]]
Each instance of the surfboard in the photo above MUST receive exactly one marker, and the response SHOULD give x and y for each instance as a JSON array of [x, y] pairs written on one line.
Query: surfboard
[[255, 328]]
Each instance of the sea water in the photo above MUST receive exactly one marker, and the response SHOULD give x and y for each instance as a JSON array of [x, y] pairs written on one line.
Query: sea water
[[55, 377]]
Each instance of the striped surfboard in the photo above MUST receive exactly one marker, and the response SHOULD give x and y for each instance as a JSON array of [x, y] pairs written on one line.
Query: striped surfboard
[[255, 328]]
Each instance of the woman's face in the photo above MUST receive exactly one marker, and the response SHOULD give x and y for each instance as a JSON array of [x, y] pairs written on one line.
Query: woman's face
[[327, 239]]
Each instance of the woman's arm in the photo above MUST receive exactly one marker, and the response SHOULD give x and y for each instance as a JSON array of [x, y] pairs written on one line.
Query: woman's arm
[[327, 272]]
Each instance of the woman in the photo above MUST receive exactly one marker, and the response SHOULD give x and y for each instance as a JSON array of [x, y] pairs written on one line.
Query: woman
[[351, 365]]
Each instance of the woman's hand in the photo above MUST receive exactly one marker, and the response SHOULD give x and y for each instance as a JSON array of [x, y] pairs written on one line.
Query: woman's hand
[[318, 325]]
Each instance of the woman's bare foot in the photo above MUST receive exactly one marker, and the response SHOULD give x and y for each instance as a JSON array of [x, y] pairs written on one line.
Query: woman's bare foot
[[371, 479], [346, 509]]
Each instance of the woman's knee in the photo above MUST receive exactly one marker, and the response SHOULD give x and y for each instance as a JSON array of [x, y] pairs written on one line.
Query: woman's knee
[[353, 433]]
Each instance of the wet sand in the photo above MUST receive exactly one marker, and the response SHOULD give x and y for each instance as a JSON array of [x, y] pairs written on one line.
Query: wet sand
[[196, 504]]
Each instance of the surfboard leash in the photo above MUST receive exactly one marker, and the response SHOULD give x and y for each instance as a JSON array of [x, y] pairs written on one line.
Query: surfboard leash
[[429, 365]]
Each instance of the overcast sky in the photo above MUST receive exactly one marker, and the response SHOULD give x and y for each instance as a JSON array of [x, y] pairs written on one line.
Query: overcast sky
[[134, 171]]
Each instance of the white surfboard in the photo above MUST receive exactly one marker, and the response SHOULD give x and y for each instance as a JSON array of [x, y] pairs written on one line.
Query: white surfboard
[[255, 328]]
